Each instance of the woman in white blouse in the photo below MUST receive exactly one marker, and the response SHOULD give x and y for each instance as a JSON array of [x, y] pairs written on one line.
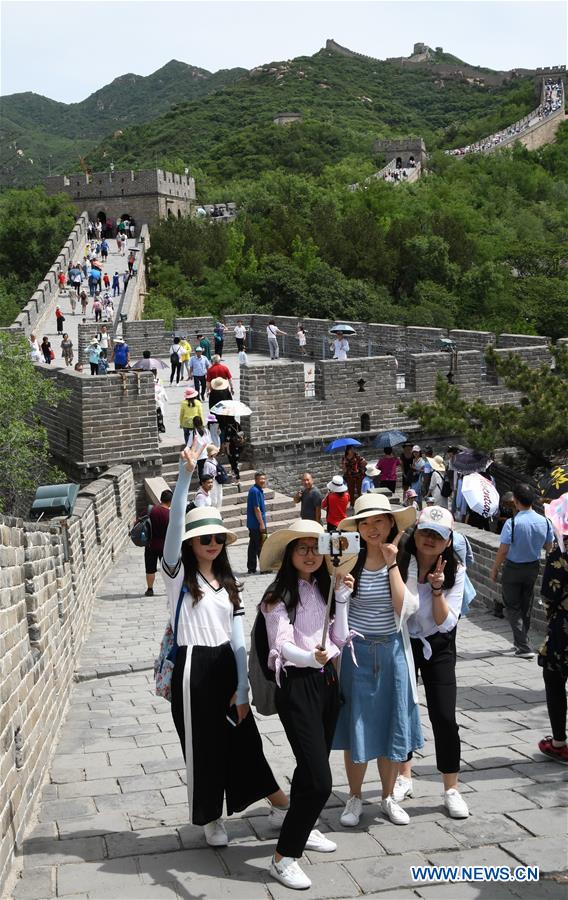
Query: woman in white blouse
[[432, 629]]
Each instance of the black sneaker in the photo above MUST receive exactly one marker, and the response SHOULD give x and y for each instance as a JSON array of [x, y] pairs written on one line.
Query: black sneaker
[[149, 592]]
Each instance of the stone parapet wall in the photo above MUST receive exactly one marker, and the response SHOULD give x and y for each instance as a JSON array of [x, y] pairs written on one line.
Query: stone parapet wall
[[132, 301], [48, 289], [521, 340], [48, 579]]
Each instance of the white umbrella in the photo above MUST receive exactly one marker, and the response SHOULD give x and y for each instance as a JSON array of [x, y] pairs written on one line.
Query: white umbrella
[[230, 408], [480, 494]]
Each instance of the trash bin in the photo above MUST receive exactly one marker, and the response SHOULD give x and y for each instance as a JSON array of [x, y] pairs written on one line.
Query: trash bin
[[123, 317]]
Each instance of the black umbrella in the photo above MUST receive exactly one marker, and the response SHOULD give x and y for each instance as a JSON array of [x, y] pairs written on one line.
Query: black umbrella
[[468, 461]]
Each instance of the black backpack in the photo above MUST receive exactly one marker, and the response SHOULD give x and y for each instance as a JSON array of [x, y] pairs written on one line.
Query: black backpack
[[141, 532], [262, 679], [221, 476], [446, 488]]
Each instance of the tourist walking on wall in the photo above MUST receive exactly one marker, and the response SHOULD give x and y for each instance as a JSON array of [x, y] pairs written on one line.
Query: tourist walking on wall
[[202, 434], [35, 352], [340, 348], [97, 310], [105, 341], [336, 503], [185, 356], [301, 335], [256, 520], [522, 540], [205, 345], [131, 261], [94, 355], [84, 300], [198, 366], [370, 481], [203, 493], [240, 333], [60, 318], [416, 471], [235, 442], [121, 354], [380, 716], [427, 554], [307, 695], [218, 369], [219, 338], [175, 360], [62, 281], [353, 466], [116, 285], [272, 332], [106, 281], [159, 519], [190, 407], [73, 298], [46, 350], [224, 761], [553, 654], [388, 464], [211, 470], [67, 350]]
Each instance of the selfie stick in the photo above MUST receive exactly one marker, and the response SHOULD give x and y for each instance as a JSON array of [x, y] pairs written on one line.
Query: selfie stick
[[336, 562]]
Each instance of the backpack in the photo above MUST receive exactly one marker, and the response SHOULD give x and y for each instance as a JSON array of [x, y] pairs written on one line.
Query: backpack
[[262, 679], [141, 532], [221, 476], [446, 488]]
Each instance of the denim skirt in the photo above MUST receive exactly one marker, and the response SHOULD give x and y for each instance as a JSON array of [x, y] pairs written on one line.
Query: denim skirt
[[378, 715]]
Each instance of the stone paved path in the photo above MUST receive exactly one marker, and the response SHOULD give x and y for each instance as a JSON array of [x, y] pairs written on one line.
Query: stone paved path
[[113, 818]]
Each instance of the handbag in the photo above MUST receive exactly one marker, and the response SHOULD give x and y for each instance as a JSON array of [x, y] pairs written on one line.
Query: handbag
[[164, 664]]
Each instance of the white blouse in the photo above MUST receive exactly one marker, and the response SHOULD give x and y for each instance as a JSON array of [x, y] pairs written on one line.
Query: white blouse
[[209, 623]]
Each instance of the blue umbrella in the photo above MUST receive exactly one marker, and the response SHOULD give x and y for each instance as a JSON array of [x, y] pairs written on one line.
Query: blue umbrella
[[389, 439], [340, 443]]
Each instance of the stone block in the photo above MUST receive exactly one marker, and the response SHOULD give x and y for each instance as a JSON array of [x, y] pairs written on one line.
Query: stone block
[[384, 873], [548, 853]]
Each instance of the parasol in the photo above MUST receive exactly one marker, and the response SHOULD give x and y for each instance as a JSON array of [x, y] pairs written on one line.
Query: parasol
[[480, 495], [230, 408], [150, 363], [389, 439], [557, 512], [342, 329], [468, 461], [341, 443]]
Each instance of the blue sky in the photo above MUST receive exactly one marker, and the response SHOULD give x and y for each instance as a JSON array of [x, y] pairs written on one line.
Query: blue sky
[[67, 50]]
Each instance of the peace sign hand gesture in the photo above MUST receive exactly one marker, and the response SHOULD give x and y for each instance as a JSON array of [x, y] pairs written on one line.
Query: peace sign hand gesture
[[390, 551], [436, 578]]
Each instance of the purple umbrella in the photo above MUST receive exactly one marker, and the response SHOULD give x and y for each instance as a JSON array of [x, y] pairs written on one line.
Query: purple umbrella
[[150, 363]]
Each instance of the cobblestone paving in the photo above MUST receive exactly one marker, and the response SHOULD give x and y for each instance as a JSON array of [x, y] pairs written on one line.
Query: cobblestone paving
[[112, 822]]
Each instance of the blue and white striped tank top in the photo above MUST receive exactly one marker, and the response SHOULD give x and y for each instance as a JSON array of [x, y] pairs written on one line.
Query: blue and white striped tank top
[[370, 609]]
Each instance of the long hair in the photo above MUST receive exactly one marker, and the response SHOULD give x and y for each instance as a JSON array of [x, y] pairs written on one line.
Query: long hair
[[360, 564], [407, 549], [221, 570], [285, 584]]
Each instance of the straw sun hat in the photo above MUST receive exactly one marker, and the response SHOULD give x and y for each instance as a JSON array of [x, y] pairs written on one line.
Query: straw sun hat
[[378, 505], [206, 520], [219, 384], [274, 547]]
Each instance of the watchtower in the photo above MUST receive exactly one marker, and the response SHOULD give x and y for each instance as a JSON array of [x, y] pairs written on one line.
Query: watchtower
[[144, 196], [403, 150]]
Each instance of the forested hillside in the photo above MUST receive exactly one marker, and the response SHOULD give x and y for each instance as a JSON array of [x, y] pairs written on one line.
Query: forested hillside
[[56, 135]]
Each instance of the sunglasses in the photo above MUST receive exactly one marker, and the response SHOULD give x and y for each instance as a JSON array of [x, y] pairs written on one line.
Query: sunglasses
[[206, 539]]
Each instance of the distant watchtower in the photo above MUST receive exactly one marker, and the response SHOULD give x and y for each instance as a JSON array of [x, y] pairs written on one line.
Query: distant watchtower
[[402, 150], [143, 196]]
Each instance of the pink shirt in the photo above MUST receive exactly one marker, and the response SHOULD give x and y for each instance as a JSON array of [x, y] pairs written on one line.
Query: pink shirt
[[388, 466], [305, 633]]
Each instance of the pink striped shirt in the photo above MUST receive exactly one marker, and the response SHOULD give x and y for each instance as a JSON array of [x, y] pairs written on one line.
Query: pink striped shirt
[[305, 633]]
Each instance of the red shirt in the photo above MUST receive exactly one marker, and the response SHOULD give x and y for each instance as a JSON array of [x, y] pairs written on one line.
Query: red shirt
[[159, 517], [336, 506], [388, 466], [218, 371]]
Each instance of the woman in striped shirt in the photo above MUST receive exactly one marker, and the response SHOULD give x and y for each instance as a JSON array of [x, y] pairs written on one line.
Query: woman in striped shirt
[[380, 717], [307, 697]]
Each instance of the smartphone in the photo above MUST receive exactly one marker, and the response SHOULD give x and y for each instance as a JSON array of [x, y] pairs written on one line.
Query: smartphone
[[232, 716]]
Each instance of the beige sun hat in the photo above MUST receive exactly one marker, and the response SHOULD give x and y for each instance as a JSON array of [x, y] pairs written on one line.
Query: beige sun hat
[[371, 471], [212, 450], [219, 384], [378, 505], [206, 520], [275, 545], [437, 463]]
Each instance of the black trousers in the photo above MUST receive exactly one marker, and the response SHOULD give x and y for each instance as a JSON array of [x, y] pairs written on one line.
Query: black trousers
[[391, 485], [219, 347], [555, 687], [226, 760], [254, 547], [308, 707], [517, 587], [176, 371], [200, 384], [240, 344], [439, 680]]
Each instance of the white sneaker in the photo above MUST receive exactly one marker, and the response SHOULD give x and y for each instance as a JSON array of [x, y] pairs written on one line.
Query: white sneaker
[[455, 804], [215, 834], [319, 842], [394, 812], [276, 816], [352, 812], [288, 873], [402, 789]]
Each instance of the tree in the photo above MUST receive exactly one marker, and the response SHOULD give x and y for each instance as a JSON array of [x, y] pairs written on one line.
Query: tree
[[24, 451], [537, 424]]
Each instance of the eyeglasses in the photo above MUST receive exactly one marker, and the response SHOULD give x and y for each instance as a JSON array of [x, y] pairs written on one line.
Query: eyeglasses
[[303, 550], [206, 539]]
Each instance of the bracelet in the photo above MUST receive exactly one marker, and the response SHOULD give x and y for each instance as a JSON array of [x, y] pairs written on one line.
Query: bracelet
[[394, 566], [437, 590]]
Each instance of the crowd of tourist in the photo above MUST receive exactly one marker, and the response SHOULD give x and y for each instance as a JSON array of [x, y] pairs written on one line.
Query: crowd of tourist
[[395, 611], [552, 100]]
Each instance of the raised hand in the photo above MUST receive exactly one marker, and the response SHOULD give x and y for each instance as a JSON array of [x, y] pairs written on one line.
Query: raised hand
[[436, 578], [390, 551]]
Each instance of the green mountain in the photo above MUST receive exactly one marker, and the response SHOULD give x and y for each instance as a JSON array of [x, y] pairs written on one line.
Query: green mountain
[[56, 135], [345, 102]]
